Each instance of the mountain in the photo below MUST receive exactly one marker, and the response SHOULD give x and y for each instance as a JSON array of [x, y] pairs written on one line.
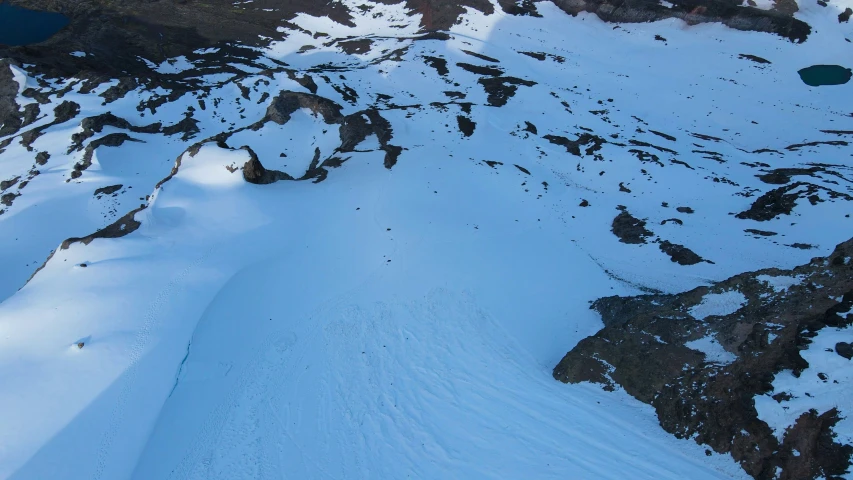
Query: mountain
[[264, 239]]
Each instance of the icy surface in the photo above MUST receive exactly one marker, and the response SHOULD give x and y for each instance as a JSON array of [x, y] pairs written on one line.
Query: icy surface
[[779, 283], [724, 303], [810, 391], [714, 352]]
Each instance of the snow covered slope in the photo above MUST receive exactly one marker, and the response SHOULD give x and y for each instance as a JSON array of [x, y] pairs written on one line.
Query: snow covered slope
[[437, 213]]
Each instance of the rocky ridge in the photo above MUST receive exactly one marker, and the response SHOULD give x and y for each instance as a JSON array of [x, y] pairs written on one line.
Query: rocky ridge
[[701, 357]]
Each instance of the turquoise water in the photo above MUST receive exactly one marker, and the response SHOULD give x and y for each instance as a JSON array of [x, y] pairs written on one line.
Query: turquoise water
[[818, 75], [19, 26]]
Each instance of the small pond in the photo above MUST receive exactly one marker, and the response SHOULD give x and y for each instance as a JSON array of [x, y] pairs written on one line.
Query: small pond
[[20, 26], [818, 75]]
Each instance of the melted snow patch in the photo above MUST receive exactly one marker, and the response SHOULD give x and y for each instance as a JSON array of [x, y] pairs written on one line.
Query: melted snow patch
[[724, 303], [175, 65], [714, 352], [780, 283], [810, 391], [20, 78]]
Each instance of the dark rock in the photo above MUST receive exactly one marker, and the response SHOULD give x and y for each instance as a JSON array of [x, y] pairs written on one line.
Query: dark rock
[[7, 198], [656, 147], [522, 169], [753, 58], [501, 89], [537, 55], [644, 348], [42, 158], [254, 171], [354, 129], [481, 70], [782, 200], [96, 124], [844, 349], [835, 143], [810, 449], [439, 64], [119, 228], [845, 15], [763, 233], [679, 253], [592, 142], [6, 184], [629, 229], [645, 157], [65, 111], [287, 102], [466, 125], [731, 14], [520, 7], [481, 56], [660, 134], [188, 128], [684, 209], [359, 46], [781, 176], [108, 190]]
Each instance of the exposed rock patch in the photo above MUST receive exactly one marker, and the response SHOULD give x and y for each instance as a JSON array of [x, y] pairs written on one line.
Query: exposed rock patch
[[731, 14], [782, 200], [700, 357], [679, 253], [501, 89], [592, 143], [466, 125], [117, 229], [630, 229]]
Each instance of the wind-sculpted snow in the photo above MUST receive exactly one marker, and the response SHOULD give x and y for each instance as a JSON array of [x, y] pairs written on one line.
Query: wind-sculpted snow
[[357, 250]]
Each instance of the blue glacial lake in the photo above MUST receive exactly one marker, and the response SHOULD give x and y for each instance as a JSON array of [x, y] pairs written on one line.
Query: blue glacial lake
[[19, 26], [818, 75]]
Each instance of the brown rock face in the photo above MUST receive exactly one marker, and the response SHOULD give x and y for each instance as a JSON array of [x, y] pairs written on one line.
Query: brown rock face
[[645, 348]]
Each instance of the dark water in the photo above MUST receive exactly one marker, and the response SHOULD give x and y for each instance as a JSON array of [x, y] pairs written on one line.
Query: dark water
[[19, 26], [818, 75]]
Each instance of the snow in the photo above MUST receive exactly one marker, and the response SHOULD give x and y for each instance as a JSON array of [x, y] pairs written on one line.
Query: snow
[[714, 352], [271, 313], [811, 392], [224, 337], [779, 283], [20, 78], [724, 303]]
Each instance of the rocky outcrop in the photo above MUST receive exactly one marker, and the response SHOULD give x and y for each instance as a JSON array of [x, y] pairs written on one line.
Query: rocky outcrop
[[117, 229], [288, 102], [728, 12], [353, 128], [782, 200], [11, 117], [629, 229], [701, 357], [254, 171]]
